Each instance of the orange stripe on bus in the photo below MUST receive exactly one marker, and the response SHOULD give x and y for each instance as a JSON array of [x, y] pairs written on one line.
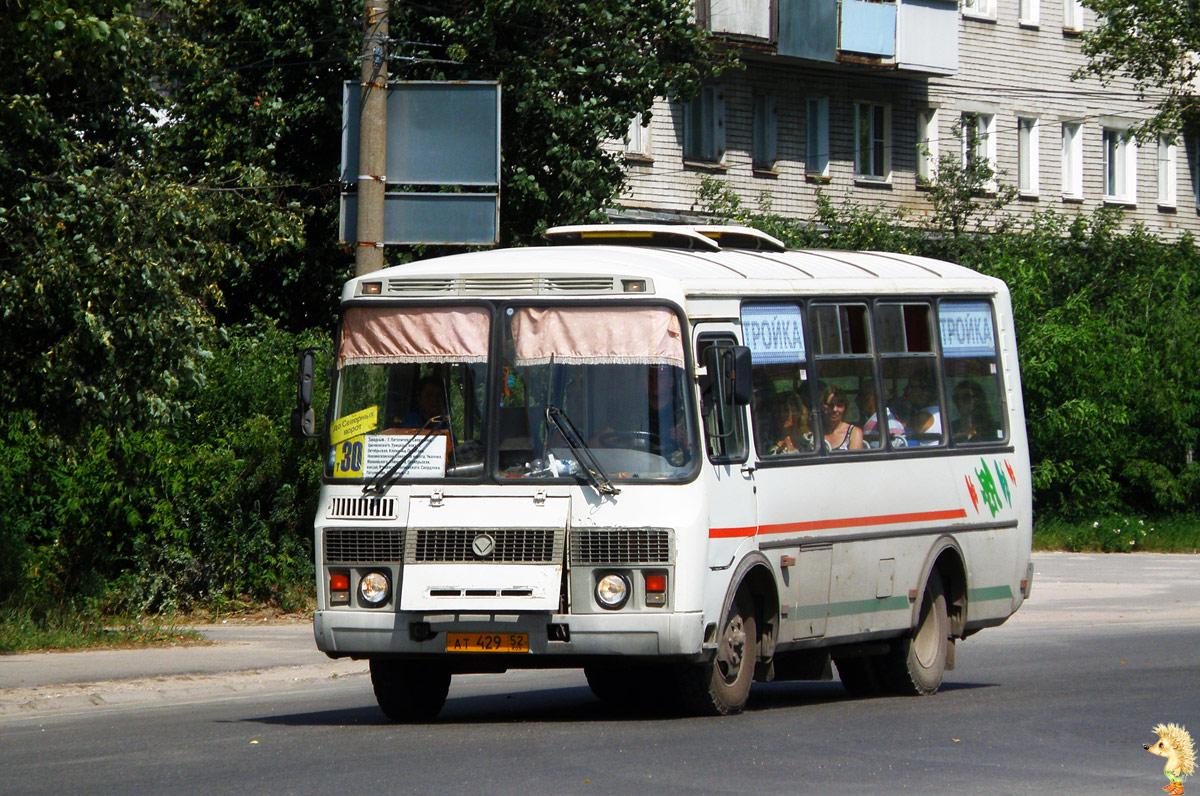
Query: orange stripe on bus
[[845, 522]]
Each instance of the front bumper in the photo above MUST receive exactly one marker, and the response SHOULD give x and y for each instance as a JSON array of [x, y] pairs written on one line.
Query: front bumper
[[366, 633]]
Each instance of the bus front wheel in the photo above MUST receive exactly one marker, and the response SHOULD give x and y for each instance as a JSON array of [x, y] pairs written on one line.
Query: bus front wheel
[[916, 664], [410, 691], [721, 686]]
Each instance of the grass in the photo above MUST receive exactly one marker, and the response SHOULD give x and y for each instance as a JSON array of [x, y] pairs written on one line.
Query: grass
[[23, 630], [1119, 534]]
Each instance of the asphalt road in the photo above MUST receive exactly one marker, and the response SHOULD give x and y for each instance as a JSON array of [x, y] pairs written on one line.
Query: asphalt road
[[1060, 699]]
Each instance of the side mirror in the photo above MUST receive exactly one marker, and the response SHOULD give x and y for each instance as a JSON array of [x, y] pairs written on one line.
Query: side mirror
[[729, 374], [304, 423], [741, 376]]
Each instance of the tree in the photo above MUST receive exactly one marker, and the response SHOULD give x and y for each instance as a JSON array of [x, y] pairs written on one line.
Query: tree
[[255, 89], [574, 74], [1156, 44], [254, 95], [110, 258]]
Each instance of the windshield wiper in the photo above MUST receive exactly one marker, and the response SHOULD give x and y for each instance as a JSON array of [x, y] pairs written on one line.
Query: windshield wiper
[[583, 453], [383, 479]]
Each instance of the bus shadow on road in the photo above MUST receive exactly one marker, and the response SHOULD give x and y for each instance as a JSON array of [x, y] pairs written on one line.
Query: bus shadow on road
[[575, 705], [771, 696]]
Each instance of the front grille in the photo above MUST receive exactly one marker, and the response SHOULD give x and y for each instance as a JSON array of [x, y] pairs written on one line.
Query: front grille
[[503, 284], [488, 285], [362, 508], [578, 284], [510, 545], [422, 287], [363, 545], [620, 546]]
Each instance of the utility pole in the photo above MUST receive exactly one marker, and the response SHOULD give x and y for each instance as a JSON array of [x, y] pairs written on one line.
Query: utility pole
[[372, 139]]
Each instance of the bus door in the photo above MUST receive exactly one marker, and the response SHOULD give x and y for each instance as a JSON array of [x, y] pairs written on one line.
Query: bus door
[[784, 438], [728, 474]]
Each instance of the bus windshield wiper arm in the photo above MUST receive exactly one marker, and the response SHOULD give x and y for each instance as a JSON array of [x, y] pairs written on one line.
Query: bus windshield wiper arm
[[383, 479], [587, 461]]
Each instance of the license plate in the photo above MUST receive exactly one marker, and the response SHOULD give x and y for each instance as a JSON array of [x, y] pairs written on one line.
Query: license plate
[[487, 642]]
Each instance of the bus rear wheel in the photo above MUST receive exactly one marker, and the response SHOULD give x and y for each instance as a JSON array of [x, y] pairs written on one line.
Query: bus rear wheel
[[410, 691], [721, 686], [917, 663]]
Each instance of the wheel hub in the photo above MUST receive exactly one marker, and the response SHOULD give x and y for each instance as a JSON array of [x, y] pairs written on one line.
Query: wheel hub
[[732, 649]]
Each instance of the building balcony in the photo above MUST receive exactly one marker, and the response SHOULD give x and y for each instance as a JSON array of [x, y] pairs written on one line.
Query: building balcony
[[918, 36]]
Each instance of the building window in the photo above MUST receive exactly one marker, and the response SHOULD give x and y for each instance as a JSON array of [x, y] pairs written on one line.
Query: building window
[[1072, 160], [816, 155], [1167, 163], [765, 131], [637, 139], [1120, 166], [1028, 131], [1029, 12], [1073, 15], [1194, 170], [985, 9], [872, 141], [979, 143], [927, 144], [704, 126]]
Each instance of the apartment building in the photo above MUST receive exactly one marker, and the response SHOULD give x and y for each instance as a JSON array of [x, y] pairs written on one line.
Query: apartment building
[[859, 98]]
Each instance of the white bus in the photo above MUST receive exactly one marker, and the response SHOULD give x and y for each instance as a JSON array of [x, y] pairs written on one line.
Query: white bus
[[681, 458]]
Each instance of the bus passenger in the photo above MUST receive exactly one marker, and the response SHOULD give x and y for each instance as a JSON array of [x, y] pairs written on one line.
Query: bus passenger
[[792, 429], [974, 422], [867, 407], [839, 435], [925, 425]]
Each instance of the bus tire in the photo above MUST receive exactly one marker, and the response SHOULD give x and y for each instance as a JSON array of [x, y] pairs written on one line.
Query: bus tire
[[917, 663], [410, 691], [721, 686]]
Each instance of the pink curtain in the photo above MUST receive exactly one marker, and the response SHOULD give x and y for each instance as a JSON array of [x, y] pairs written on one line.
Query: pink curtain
[[391, 335], [597, 336]]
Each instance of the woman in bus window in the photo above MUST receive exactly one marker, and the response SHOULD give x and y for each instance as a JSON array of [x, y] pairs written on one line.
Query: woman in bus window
[[793, 433], [839, 435], [974, 422]]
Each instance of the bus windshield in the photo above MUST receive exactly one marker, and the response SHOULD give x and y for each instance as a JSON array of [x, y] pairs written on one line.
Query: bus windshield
[[418, 394]]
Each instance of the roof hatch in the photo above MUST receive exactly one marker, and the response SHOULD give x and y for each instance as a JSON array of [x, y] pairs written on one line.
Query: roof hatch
[[671, 236]]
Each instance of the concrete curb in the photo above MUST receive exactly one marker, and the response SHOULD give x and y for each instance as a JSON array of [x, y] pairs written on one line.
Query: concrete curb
[[169, 689]]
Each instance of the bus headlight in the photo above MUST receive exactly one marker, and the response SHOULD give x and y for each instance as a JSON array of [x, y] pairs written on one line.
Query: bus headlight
[[374, 588], [612, 591]]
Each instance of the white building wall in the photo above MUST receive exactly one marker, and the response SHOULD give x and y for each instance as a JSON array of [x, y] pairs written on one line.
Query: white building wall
[[1005, 68]]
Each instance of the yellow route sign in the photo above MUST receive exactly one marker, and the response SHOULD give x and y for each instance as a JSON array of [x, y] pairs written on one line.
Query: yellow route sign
[[354, 425]]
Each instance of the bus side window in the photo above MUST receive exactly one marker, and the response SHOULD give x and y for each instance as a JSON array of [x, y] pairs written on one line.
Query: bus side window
[[781, 408], [911, 384], [972, 372], [724, 420], [845, 369]]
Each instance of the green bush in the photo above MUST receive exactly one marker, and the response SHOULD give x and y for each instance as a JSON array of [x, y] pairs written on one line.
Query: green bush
[[213, 509]]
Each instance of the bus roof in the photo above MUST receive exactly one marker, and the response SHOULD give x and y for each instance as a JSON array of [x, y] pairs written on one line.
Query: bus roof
[[716, 269]]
